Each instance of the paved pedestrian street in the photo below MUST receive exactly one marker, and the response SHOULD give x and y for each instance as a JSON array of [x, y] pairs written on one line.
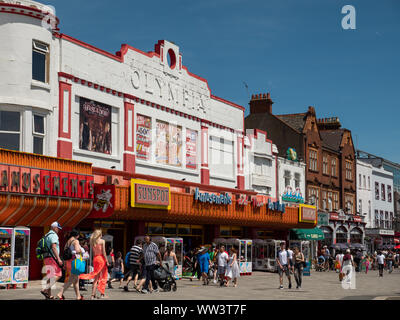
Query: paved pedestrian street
[[259, 286]]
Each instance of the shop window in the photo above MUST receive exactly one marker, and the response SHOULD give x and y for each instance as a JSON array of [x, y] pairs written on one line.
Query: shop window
[[38, 133], [183, 229], [40, 61], [236, 232], [341, 235], [154, 228], [169, 229], [10, 130], [197, 230]]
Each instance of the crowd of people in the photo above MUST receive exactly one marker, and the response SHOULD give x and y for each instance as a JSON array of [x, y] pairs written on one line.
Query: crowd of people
[[214, 264]]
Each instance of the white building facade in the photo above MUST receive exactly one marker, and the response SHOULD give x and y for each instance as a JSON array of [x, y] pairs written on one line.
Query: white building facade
[[260, 159], [134, 111], [291, 175], [365, 192]]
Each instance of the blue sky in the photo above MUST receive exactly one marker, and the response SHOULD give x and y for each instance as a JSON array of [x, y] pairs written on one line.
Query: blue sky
[[294, 49]]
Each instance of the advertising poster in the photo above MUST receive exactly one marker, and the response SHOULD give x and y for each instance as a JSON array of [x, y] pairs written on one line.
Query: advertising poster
[[20, 274], [191, 149], [104, 201], [143, 137], [95, 126], [162, 131], [175, 145]]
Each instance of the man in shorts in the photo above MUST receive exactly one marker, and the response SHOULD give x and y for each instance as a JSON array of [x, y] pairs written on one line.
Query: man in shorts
[[282, 261], [52, 261], [134, 264], [222, 260]]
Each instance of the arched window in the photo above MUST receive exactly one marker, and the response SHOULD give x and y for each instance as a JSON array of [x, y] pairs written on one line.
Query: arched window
[[341, 235]]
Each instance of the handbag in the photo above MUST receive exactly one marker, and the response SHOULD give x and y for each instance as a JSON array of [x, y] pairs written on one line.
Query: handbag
[[78, 266]]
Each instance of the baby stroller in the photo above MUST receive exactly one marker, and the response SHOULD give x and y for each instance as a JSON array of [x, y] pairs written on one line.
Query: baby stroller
[[321, 266], [165, 278]]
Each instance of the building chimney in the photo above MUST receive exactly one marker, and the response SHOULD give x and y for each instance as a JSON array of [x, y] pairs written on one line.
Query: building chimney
[[261, 103]]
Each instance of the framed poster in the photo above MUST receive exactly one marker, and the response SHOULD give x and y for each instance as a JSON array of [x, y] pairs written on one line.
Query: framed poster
[[175, 145], [191, 149], [162, 132], [94, 126], [143, 137]]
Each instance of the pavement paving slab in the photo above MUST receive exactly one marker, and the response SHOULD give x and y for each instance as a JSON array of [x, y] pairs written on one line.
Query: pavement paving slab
[[258, 286]]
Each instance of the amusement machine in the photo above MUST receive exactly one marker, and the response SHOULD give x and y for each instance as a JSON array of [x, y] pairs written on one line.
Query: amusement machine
[[177, 246], [305, 248], [14, 256], [264, 254], [244, 252]]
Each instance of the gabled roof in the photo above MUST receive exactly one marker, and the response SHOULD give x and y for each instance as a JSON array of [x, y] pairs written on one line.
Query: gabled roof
[[295, 120], [332, 138]]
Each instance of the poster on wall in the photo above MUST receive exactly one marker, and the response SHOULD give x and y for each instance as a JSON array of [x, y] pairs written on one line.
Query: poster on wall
[[143, 137], [104, 201], [191, 149], [95, 126], [175, 145], [162, 132]]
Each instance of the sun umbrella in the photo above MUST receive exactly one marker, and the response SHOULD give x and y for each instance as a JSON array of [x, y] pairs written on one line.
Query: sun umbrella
[[397, 247]]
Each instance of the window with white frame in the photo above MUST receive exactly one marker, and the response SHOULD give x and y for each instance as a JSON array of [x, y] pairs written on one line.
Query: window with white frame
[[38, 133], [360, 206], [335, 201], [391, 220], [383, 193], [40, 61], [325, 164], [297, 180], [313, 196], [364, 180], [376, 219], [287, 177], [369, 183], [10, 130], [333, 167], [389, 195], [386, 220], [349, 170], [324, 200], [369, 210], [359, 179]]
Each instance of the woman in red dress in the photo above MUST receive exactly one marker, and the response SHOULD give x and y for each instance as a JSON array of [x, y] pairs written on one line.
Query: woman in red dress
[[100, 264]]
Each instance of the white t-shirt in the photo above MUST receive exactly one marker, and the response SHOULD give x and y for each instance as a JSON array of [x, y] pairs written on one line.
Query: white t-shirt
[[222, 259], [381, 259], [339, 257], [290, 254], [283, 257]]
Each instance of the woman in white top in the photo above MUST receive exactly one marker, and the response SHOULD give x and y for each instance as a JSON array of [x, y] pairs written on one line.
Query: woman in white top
[[170, 259], [232, 270], [70, 278]]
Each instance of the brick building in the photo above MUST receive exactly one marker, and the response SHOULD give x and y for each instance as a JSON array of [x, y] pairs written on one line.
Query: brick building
[[329, 154]]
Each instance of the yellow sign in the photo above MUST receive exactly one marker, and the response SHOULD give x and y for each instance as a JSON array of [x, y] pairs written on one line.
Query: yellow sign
[[152, 195], [308, 213]]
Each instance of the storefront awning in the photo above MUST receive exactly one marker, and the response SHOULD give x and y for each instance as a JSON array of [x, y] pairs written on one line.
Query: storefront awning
[[309, 234]]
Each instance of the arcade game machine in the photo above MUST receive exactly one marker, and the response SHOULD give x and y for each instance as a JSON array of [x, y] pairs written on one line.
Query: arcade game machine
[[260, 253], [6, 238], [20, 256]]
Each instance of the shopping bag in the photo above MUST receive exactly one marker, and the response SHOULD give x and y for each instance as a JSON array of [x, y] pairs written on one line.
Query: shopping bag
[[78, 266]]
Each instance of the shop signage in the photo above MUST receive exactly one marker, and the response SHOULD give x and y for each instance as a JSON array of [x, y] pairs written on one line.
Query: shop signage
[[307, 213], [292, 196], [257, 203], [104, 201], [357, 219], [336, 216], [242, 201], [148, 194], [45, 182], [212, 198], [386, 232], [276, 206]]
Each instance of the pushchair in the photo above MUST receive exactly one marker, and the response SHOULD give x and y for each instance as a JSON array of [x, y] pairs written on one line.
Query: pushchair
[[165, 279], [321, 266]]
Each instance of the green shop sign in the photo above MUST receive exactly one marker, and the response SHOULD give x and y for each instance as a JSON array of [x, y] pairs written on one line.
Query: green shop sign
[[323, 219]]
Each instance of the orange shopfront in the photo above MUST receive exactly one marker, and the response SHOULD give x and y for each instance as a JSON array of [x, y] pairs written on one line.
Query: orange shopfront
[[198, 222], [36, 190]]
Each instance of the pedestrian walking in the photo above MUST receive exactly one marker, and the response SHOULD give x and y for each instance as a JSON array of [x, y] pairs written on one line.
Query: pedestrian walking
[[282, 261], [134, 265], [204, 262], [339, 261], [150, 253], [118, 270], [389, 261], [72, 251], [357, 260], [111, 262], [232, 269], [222, 262], [327, 256], [380, 258], [196, 265], [170, 259], [291, 263], [213, 257], [299, 262], [52, 259], [84, 244], [100, 265]]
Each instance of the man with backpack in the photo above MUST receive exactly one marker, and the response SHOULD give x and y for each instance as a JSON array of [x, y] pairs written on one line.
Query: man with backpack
[[132, 262], [282, 261], [50, 247]]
